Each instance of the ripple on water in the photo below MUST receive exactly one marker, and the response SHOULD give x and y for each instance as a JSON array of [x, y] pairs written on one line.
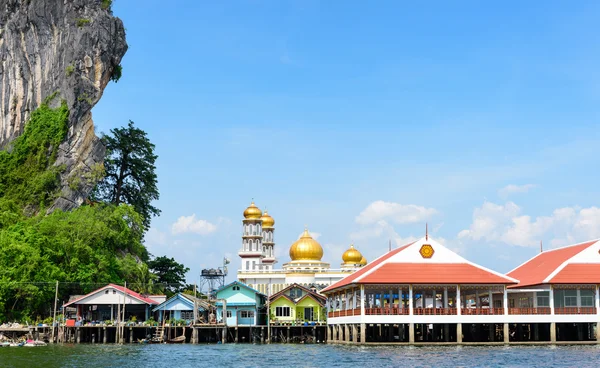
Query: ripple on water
[[247, 355]]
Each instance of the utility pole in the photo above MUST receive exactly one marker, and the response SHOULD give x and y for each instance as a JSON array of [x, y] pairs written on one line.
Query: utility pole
[[123, 327], [268, 314], [54, 317]]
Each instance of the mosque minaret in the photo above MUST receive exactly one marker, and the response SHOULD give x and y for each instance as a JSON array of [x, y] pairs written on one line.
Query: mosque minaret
[[305, 266]]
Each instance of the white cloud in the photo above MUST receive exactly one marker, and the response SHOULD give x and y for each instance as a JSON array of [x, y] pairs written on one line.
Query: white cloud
[[189, 224], [394, 212], [505, 223], [513, 189]]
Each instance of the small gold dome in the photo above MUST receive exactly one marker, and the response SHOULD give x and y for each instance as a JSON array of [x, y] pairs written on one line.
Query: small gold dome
[[363, 261], [352, 256], [267, 220], [252, 212], [306, 249]]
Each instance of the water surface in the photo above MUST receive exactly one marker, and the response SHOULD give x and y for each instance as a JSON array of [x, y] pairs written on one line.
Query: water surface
[[276, 355]]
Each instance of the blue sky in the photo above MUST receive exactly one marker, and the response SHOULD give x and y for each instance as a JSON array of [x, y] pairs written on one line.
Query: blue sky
[[364, 122]]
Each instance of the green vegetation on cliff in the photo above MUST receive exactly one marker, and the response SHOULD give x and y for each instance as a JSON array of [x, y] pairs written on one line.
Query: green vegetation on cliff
[[83, 249], [27, 175]]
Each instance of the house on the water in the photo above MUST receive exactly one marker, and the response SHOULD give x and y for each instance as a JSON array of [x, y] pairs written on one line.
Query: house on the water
[[243, 305], [181, 307], [105, 303], [297, 305]]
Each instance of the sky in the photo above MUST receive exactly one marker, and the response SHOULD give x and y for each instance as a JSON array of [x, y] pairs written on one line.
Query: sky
[[365, 121]]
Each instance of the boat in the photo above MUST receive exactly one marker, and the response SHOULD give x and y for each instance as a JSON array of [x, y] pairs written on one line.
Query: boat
[[177, 340], [4, 344]]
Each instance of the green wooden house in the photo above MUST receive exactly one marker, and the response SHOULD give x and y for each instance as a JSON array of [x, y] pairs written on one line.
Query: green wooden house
[[297, 305]]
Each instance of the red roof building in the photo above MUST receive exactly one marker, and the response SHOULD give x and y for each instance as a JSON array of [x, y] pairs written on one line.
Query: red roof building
[[105, 304], [425, 284]]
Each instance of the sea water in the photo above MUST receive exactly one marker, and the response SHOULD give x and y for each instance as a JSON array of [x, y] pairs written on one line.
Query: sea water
[[279, 355]]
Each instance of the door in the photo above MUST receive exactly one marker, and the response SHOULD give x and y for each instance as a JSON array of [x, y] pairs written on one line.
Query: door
[[308, 314]]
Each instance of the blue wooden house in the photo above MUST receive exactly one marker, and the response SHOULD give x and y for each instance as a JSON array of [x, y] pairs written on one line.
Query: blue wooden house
[[181, 307], [243, 305]]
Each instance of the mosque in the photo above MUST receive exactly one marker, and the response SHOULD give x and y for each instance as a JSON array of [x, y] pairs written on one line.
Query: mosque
[[305, 266]]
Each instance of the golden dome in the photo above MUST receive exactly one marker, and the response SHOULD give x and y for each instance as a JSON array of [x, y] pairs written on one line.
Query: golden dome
[[267, 220], [363, 261], [306, 249], [252, 212], [352, 256]]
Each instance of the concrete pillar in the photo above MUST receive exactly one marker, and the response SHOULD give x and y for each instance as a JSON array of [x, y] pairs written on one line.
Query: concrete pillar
[[477, 303], [459, 333], [553, 331], [354, 334], [445, 297], [598, 332], [597, 304], [328, 333], [346, 333], [505, 302], [506, 333], [363, 333], [104, 335], [411, 333], [410, 307], [578, 298], [195, 335], [362, 300], [552, 306], [458, 304]]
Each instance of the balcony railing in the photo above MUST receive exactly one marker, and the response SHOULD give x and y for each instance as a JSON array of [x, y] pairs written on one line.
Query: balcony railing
[[481, 311], [538, 310], [575, 310], [390, 311], [344, 313], [434, 311]]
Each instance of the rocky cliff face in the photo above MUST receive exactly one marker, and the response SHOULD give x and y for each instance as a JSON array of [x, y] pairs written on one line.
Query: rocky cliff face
[[70, 47]]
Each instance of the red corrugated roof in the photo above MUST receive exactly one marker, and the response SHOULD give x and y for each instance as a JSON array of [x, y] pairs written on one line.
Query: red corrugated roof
[[433, 273], [537, 269], [120, 288], [350, 278], [578, 273]]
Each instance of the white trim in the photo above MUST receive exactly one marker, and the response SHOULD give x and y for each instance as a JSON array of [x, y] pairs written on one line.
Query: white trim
[[552, 250], [435, 244]]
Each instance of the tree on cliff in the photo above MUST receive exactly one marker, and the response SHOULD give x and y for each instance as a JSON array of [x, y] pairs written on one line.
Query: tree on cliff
[[130, 172], [169, 272]]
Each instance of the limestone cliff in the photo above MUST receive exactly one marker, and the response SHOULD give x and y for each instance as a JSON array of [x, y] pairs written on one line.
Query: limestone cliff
[[66, 46]]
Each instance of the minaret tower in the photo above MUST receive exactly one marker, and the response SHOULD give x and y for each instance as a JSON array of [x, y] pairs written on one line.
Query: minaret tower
[[252, 243], [268, 226]]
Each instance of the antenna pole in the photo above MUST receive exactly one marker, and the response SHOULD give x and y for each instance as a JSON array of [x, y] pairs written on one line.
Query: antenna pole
[[541, 247]]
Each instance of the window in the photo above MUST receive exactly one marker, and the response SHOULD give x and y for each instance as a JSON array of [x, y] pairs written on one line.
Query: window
[[228, 314], [296, 293], [246, 314], [188, 315], [525, 302], [570, 298], [511, 303], [247, 265], [282, 311], [543, 299], [114, 291], [105, 291], [236, 288], [587, 298]]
